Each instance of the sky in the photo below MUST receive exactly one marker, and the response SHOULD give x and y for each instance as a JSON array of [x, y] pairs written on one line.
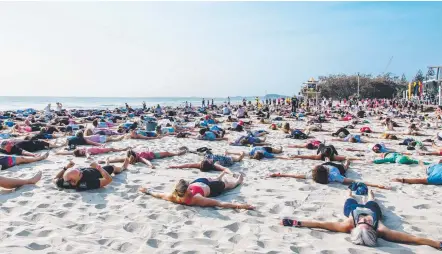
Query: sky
[[215, 49]]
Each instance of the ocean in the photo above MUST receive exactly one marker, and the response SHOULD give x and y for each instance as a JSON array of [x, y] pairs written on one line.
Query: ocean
[[40, 102]]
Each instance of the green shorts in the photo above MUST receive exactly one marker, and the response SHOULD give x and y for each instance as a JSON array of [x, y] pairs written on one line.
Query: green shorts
[[157, 155]]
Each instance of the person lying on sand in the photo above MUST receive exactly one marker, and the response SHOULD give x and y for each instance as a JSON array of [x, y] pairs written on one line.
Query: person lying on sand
[[433, 172], [396, 158], [145, 157], [364, 223], [325, 152], [259, 153], [327, 173], [24, 147], [249, 140], [140, 134], [87, 178], [87, 152], [351, 138], [8, 161], [199, 191], [311, 145], [215, 162], [12, 183], [377, 148]]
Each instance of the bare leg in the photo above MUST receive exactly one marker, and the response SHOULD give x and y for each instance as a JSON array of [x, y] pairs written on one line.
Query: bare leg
[[11, 183], [24, 160], [170, 154], [231, 184], [371, 196], [26, 153], [114, 160], [346, 164], [111, 139], [235, 158], [277, 150], [297, 146]]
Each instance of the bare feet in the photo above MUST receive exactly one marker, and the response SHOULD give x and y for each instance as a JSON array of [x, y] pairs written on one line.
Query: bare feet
[[35, 178]]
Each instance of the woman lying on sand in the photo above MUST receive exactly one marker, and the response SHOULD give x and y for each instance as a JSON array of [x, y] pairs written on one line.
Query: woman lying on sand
[[140, 134], [328, 172], [364, 223], [197, 193], [7, 161], [215, 162], [249, 140], [377, 148], [259, 153], [87, 178], [87, 152], [396, 158], [145, 157], [352, 138], [12, 183], [24, 147], [311, 145], [325, 153], [434, 176]]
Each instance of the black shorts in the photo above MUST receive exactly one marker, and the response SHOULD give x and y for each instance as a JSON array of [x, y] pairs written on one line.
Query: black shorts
[[216, 187], [268, 149], [109, 169]]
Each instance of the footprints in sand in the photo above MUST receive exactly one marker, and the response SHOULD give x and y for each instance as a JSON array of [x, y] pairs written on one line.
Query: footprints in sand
[[423, 206], [36, 246]]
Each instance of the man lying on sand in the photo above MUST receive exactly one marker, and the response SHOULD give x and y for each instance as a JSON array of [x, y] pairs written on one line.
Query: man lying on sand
[[87, 178]]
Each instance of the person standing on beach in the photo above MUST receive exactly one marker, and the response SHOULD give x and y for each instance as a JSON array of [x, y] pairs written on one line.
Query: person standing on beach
[[228, 100], [294, 104]]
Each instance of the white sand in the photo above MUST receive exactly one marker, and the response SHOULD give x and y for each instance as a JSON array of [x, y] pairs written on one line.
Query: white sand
[[118, 219]]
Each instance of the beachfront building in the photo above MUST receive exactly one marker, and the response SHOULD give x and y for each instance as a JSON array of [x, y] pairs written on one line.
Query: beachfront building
[[310, 90], [432, 87]]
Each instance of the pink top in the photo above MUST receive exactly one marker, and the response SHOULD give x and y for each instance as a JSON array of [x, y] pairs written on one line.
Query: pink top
[[146, 155], [194, 189], [98, 150]]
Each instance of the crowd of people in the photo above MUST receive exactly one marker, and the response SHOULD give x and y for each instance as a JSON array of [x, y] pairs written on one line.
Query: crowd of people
[[28, 136]]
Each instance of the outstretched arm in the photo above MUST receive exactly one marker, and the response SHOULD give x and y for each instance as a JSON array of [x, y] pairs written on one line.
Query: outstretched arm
[[64, 153], [350, 181], [288, 175], [396, 236], [156, 194], [221, 168], [343, 227], [188, 165], [208, 202], [411, 180], [147, 162]]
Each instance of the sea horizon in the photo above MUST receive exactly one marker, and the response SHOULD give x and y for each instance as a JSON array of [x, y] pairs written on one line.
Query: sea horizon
[[85, 102]]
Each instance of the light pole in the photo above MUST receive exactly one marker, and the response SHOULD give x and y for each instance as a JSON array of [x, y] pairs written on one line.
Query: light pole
[[358, 86]]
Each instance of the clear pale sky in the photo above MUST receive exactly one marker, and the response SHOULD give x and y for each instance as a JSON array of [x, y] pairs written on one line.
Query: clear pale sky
[[210, 49]]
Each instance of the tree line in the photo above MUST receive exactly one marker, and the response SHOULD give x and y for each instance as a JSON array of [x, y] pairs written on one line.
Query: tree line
[[388, 85]]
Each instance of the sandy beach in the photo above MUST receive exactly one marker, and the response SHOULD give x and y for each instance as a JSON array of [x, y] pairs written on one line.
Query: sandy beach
[[119, 219]]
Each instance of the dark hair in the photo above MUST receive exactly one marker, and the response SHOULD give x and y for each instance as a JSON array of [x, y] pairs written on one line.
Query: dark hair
[[130, 152], [77, 153], [320, 174], [79, 134], [286, 126], [95, 122], [258, 155], [202, 131], [207, 165], [393, 137], [310, 146]]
